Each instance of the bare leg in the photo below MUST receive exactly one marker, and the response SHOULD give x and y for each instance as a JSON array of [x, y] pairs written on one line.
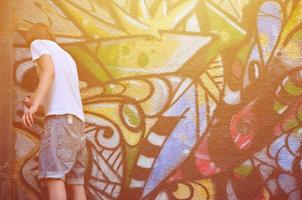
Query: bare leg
[[77, 192], [56, 189]]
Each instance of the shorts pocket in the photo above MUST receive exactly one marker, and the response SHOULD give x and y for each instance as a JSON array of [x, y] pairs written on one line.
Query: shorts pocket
[[67, 145]]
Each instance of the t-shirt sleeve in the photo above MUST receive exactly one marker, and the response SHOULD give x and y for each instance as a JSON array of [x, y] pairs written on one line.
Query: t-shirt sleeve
[[38, 48]]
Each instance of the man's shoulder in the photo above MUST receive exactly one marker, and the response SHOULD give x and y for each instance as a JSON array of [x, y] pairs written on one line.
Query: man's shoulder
[[44, 43]]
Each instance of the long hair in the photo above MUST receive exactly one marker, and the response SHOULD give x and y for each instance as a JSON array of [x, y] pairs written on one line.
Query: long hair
[[39, 31]]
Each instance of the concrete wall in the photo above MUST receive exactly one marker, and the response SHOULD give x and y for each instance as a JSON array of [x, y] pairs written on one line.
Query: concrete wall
[[6, 101], [184, 99]]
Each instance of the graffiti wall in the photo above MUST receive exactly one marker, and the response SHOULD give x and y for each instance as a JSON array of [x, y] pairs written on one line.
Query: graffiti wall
[[184, 99]]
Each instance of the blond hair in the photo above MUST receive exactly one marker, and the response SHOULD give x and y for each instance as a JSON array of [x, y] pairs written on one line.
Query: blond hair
[[39, 31]]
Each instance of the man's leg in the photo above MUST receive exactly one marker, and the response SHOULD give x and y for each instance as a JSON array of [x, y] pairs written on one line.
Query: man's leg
[[77, 192], [75, 177], [56, 189]]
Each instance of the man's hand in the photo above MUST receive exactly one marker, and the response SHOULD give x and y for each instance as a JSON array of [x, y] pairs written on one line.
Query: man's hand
[[28, 119]]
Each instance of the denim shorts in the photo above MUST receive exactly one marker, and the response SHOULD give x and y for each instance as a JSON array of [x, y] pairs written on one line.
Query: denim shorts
[[62, 149]]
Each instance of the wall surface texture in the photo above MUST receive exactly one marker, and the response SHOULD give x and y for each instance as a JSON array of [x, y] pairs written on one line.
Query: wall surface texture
[[6, 100], [184, 99]]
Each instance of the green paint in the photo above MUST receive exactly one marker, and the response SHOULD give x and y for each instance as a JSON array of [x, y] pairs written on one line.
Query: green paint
[[109, 90], [126, 50], [130, 112], [221, 26], [278, 106], [243, 170], [109, 54], [291, 123], [142, 59], [292, 89], [132, 153]]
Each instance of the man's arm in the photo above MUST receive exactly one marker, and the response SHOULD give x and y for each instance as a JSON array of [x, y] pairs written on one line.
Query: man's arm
[[46, 78]]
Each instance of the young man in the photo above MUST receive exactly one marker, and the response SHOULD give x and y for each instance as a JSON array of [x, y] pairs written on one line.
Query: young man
[[61, 155]]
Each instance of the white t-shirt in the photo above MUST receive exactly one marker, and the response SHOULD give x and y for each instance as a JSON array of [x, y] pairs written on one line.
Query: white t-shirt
[[64, 96]]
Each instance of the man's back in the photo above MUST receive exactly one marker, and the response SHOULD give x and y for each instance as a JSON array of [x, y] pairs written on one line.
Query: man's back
[[64, 96]]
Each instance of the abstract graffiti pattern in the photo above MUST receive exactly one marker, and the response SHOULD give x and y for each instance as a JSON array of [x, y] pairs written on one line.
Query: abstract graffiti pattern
[[184, 99]]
